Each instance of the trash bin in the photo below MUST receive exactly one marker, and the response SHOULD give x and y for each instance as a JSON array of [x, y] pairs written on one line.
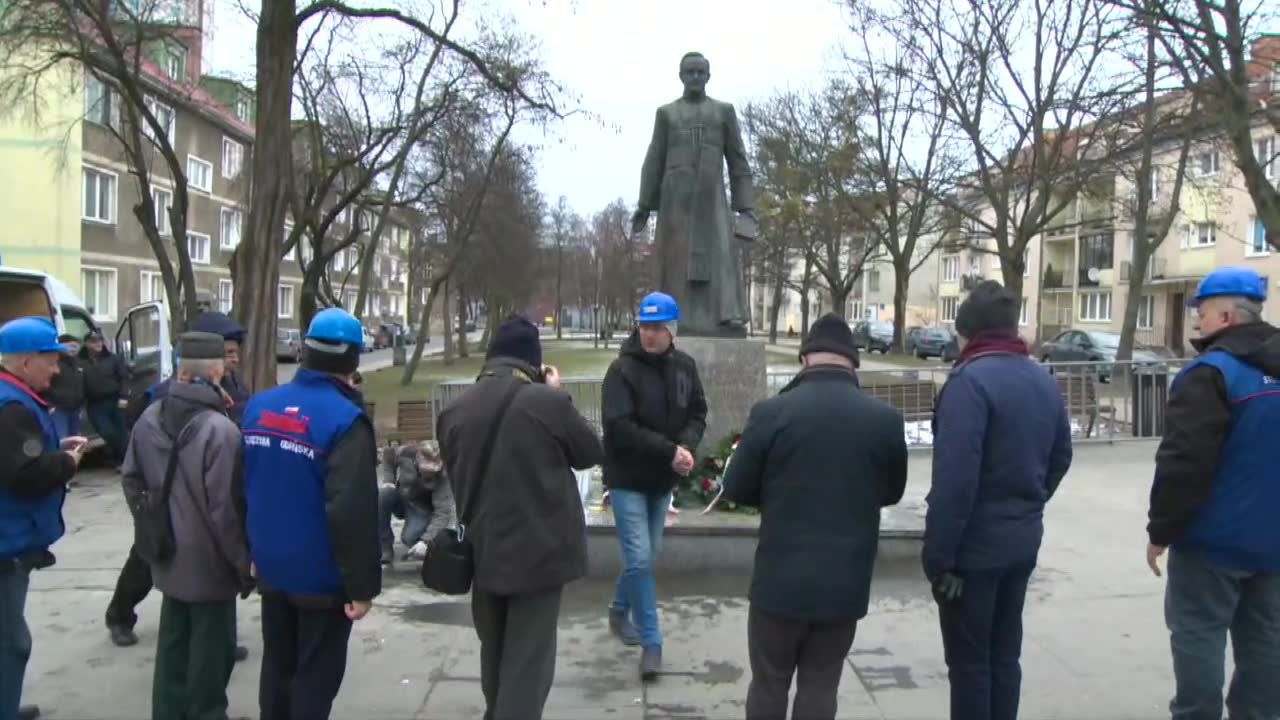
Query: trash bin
[[398, 355], [1150, 395]]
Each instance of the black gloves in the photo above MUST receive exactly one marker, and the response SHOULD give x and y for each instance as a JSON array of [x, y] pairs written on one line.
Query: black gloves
[[948, 588]]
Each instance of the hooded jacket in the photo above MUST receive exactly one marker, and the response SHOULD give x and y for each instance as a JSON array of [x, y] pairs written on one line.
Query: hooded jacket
[[1215, 466], [651, 403]]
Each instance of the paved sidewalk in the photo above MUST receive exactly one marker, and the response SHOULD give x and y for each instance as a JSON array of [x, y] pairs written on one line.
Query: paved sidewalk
[[1095, 647]]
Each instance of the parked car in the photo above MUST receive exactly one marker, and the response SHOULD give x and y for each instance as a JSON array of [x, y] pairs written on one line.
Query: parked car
[[929, 342], [369, 341], [873, 336], [1100, 347], [951, 351], [289, 345]]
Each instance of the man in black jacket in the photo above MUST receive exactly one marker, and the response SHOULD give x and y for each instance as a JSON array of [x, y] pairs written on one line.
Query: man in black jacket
[[66, 393], [654, 416], [526, 521], [819, 460], [104, 379]]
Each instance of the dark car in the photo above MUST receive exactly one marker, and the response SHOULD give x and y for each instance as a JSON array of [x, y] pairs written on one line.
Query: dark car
[[929, 342], [873, 336], [1097, 347], [951, 352]]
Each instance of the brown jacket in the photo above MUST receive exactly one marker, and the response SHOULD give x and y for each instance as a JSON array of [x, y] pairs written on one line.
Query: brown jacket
[[527, 530]]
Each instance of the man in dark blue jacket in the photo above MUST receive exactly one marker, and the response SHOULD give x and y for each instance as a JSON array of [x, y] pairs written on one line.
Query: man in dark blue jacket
[[312, 492], [1215, 501], [1002, 443]]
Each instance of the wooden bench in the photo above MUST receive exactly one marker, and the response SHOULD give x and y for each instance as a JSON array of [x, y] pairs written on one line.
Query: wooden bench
[[1080, 393], [413, 422], [913, 398]]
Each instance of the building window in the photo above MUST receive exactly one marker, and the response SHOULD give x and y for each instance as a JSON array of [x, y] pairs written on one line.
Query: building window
[[99, 196], [349, 300], [165, 118], [949, 309], [950, 269], [873, 278], [285, 302], [1266, 151], [198, 247], [199, 174], [232, 158], [1207, 163], [242, 108], [226, 294], [396, 305], [1095, 307], [375, 305], [163, 202], [101, 104], [229, 231], [1201, 235], [1257, 246], [1026, 262], [152, 289], [1147, 312], [175, 62], [98, 288], [1096, 252], [1022, 314]]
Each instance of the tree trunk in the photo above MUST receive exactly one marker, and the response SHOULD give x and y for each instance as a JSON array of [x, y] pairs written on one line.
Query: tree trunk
[[1013, 270], [840, 300], [424, 322], [776, 308], [901, 285], [559, 289], [445, 307], [256, 264], [367, 267], [464, 314]]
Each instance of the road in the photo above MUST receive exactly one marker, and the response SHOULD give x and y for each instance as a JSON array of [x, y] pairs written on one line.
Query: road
[[369, 362]]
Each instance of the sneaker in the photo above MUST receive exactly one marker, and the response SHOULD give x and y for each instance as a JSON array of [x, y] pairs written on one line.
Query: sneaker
[[122, 636], [388, 555], [28, 712], [242, 653], [650, 663], [622, 628]]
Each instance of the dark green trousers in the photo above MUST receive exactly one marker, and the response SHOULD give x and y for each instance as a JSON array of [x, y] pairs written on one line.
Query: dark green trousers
[[195, 653]]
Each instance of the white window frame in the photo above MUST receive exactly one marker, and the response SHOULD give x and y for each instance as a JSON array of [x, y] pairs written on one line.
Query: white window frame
[[1265, 148], [93, 112], [1196, 236], [1250, 248], [162, 199], [110, 218], [231, 295], [114, 292], [284, 310], [208, 248], [204, 168], [171, 130], [1092, 307], [1215, 161], [242, 109], [232, 154], [1026, 262], [949, 306], [952, 263], [175, 63], [1022, 313], [1147, 312], [223, 243], [146, 278]]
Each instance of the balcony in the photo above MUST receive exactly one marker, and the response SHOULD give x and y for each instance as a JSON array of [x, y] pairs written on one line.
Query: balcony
[[1058, 279]]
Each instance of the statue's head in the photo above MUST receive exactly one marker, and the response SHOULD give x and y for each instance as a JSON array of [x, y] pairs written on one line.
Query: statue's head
[[695, 71]]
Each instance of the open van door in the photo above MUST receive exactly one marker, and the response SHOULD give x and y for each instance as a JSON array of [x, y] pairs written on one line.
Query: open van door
[[143, 342]]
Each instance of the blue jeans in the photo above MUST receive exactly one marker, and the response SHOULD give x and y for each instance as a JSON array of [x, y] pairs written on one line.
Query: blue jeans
[[982, 641], [640, 519], [1202, 603], [15, 638], [67, 422], [391, 503]]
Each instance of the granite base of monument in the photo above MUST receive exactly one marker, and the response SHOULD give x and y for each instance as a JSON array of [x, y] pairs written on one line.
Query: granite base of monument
[[733, 378]]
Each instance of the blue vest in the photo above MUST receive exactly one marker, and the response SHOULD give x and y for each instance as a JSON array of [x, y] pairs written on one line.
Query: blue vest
[[1238, 527], [288, 434], [28, 524]]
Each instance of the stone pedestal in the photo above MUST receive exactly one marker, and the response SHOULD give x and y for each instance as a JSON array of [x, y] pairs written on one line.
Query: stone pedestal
[[733, 378]]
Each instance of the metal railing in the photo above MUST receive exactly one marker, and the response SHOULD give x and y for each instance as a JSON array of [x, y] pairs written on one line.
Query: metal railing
[[1105, 401]]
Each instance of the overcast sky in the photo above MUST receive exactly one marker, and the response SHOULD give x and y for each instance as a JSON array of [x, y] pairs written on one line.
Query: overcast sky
[[620, 58]]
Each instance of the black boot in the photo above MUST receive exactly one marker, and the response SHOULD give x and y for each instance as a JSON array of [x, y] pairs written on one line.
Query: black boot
[[650, 663], [28, 712], [388, 555], [242, 653], [122, 636]]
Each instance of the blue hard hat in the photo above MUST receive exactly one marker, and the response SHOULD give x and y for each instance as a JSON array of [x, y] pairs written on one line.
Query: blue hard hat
[[30, 335], [335, 325], [1232, 281], [658, 307]]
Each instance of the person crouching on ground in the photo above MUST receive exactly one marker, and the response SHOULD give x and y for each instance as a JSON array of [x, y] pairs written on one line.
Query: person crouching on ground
[[209, 567], [654, 416], [1214, 501], [509, 444], [819, 460], [416, 491], [1002, 444]]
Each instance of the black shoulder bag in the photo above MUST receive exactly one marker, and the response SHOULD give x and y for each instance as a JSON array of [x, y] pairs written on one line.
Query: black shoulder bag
[[449, 567], [152, 525]]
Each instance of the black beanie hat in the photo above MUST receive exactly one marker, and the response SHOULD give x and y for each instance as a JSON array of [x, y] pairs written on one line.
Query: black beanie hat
[[517, 338], [831, 334], [332, 358], [989, 307]]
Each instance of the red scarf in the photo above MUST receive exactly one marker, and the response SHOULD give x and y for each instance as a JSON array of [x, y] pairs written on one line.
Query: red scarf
[[992, 342]]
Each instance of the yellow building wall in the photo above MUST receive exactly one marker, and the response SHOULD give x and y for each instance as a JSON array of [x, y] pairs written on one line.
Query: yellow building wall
[[40, 185]]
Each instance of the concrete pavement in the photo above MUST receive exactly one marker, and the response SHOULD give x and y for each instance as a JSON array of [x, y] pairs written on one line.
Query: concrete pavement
[[1095, 647]]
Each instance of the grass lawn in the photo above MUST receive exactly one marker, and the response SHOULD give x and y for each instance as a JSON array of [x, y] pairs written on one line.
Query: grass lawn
[[573, 359]]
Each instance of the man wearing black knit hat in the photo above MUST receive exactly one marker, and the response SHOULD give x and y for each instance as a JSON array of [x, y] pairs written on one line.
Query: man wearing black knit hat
[[1001, 445], [819, 460], [508, 445]]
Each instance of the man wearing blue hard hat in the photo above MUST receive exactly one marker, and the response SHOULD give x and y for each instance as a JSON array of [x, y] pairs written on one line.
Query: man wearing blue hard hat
[[37, 466], [311, 488], [1214, 502], [654, 415]]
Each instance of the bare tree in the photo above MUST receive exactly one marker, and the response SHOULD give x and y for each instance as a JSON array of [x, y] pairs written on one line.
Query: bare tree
[[562, 222]]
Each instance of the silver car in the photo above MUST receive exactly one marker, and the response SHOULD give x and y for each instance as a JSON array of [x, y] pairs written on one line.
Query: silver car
[[289, 345]]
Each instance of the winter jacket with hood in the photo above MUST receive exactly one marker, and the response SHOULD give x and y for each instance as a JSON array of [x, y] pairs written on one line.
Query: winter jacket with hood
[[418, 475], [206, 503], [1211, 422], [652, 404], [104, 375]]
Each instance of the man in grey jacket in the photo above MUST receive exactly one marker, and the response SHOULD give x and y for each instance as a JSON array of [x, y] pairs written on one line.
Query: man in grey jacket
[[210, 563], [416, 491]]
